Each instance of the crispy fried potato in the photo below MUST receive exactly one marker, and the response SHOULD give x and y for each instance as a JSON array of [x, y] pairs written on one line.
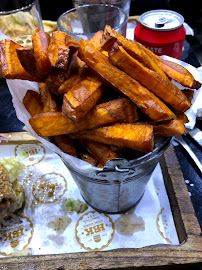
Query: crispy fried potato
[[96, 39], [87, 157], [27, 60], [120, 110], [189, 94], [57, 77], [110, 36], [159, 85], [100, 151], [32, 102], [58, 52], [49, 101], [138, 137], [167, 128], [81, 98], [66, 144], [54, 79], [73, 80], [119, 80], [180, 74], [72, 44], [181, 116], [10, 64], [174, 70], [40, 41], [75, 64]]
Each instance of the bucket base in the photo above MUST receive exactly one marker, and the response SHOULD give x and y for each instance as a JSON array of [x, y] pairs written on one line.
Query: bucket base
[[118, 212]]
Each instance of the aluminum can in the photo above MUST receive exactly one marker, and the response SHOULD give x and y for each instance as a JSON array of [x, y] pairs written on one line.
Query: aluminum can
[[162, 32]]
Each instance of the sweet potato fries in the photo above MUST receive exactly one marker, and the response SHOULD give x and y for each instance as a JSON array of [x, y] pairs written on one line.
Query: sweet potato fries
[[100, 97]]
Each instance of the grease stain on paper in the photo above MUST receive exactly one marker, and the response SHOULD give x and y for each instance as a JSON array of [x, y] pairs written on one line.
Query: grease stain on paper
[[129, 223], [160, 213]]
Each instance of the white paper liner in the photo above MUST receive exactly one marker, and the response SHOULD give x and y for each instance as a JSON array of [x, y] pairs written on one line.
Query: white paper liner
[[152, 217]]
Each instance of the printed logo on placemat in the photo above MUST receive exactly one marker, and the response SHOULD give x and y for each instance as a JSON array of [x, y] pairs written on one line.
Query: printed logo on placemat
[[15, 234], [49, 187], [35, 153], [94, 231]]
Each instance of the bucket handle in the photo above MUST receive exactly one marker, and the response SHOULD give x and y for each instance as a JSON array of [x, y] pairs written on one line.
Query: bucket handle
[[118, 165]]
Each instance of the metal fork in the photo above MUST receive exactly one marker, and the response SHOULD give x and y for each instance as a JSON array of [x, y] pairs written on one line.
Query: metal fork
[[181, 141]]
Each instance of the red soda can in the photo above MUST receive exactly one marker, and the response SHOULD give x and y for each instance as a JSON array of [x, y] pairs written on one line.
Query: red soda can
[[162, 32]]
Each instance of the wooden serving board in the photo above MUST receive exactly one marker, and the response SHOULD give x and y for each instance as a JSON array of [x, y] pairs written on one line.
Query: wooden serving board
[[184, 256]]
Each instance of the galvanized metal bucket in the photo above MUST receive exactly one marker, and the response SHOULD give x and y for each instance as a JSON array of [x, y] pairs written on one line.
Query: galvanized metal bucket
[[120, 185]]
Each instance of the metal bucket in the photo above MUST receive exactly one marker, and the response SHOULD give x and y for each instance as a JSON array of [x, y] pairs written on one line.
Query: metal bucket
[[120, 185]]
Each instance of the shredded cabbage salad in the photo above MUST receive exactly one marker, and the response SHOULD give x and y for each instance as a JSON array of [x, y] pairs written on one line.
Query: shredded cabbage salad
[[13, 166]]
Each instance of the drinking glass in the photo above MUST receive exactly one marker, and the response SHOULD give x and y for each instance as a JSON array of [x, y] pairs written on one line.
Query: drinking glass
[[18, 21], [84, 21], [123, 4]]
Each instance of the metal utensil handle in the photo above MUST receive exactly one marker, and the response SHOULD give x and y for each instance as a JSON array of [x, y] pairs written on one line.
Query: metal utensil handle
[[189, 151], [196, 134]]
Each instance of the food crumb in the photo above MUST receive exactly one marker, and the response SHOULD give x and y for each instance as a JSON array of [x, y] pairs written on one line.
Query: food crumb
[[75, 205]]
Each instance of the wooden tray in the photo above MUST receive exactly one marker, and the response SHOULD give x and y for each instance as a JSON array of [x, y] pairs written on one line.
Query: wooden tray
[[187, 254]]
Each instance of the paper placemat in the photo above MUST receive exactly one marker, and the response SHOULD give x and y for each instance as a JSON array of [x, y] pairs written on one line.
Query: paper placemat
[[45, 226]]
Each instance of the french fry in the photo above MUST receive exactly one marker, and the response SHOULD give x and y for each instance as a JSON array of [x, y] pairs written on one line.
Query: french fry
[[66, 144], [179, 74], [159, 85], [167, 128], [10, 64], [32, 102], [87, 157], [138, 137], [120, 110], [189, 94], [54, 79], [40, 41], [81, 98], [174, 70], [57, 77], [75, 64], [27, 60], [49, 101], [119, 80], [58, 52], [100, 151], [96, 39], [181, 116], [73, 80], [110, 36], [72, 44]]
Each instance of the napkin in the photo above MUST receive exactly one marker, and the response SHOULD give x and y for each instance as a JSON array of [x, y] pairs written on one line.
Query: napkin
[[45, 226]]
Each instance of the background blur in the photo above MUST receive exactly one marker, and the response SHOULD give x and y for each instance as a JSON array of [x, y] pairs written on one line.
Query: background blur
[[191, 11]]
